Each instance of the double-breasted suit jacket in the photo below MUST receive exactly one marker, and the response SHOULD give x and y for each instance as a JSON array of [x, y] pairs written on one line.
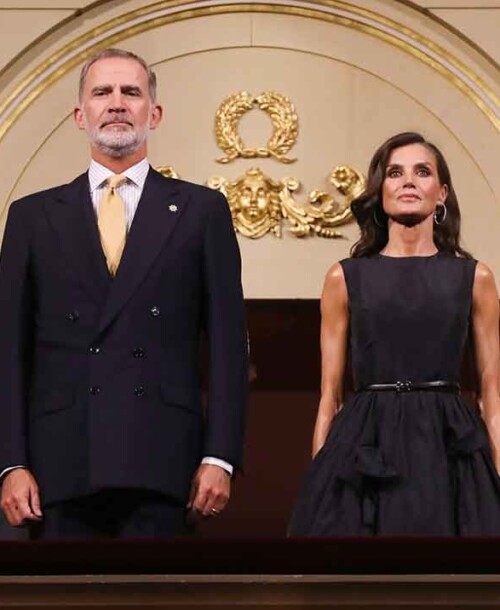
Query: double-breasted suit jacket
[[99, 377]]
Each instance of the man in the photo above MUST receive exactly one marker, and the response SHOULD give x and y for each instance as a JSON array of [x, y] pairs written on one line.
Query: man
[[105, 287]]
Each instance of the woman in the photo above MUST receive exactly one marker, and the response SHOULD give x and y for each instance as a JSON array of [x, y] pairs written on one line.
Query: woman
[[406, 455]]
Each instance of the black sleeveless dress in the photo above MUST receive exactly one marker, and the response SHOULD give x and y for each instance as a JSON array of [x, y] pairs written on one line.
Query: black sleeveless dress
[[404, 463]]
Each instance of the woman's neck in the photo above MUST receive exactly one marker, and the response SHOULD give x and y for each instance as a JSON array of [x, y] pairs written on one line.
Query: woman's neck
[[410, 241]]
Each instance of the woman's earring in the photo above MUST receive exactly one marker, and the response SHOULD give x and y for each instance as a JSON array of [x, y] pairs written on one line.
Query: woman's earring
[[437, 220]]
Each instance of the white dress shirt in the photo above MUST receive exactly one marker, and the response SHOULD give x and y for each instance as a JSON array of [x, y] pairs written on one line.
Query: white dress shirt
[[130, 191]]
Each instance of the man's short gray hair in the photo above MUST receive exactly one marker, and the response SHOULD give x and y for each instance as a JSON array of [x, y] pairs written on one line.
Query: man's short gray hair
[[106, 54]]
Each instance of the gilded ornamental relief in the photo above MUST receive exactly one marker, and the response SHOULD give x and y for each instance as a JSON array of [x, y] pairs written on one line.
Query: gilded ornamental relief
[[261, 205]]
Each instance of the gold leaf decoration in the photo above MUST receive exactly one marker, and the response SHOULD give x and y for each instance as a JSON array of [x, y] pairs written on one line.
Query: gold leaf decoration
[[168, 171], [282, 114], [259, 204]]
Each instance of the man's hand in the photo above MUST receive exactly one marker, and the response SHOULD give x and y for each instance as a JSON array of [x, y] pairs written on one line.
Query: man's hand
[[210, 490], [20, 497]]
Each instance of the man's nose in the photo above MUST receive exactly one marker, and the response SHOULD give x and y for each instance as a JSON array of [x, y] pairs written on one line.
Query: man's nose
[[116, 103]]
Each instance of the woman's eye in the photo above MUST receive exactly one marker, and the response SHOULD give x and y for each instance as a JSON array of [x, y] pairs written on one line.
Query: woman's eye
[[394, 173], [423, 171]]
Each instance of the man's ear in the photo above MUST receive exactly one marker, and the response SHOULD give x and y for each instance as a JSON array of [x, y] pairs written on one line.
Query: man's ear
[[156, 116], [78, 116]]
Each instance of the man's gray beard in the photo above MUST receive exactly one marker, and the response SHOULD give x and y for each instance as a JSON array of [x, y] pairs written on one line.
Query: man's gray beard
[[408, 220], [118, 144]]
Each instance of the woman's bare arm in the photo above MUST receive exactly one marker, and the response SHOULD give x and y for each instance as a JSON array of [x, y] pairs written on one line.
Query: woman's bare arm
[[334, 331], [485, 319]]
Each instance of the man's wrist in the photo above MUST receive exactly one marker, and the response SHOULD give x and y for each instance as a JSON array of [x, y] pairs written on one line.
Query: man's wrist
[[218, 462], [6, 471]]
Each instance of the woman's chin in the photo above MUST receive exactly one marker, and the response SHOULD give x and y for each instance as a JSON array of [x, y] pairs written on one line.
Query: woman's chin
[[408, 219]]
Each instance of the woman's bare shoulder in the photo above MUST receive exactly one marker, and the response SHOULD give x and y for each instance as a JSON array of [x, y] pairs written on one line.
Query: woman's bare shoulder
[[484, 282], [335, 275], [483, 273], [335, 284]]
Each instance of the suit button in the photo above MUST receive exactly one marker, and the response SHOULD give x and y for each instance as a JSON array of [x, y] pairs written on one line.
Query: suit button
[[155, 311], [95, 350], [139, 390], [138, 353], [94, 390], [72, 316]]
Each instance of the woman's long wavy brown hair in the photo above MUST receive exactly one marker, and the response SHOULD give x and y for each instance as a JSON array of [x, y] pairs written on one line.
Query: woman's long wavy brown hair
[[369, 212]]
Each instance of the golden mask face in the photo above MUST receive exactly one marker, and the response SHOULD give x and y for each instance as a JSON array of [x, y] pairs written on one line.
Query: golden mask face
[[255, 199]]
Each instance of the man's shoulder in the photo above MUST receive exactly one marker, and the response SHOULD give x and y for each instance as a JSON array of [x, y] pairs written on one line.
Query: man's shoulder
[[53, 192], [190, 188]]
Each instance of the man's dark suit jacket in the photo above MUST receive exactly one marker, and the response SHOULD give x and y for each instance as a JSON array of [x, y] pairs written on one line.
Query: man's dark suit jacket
[[99, 377]]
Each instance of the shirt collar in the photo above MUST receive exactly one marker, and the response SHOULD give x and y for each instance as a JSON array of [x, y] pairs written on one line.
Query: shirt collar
[[98, 174]]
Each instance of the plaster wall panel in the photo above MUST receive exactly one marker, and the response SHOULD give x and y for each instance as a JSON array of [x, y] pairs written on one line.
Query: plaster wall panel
[[45, 4], [481, 26], [460, 4], [345, 114], [20, 27], [351, 88]]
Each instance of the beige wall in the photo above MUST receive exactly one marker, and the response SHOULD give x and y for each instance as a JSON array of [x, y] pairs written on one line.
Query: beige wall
[[351, 85], [24, 20]]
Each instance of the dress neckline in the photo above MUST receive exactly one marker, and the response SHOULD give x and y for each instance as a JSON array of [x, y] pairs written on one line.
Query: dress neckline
[[414, 256]]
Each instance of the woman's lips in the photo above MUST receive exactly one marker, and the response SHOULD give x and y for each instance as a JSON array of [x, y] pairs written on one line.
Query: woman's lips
[[408, 197]]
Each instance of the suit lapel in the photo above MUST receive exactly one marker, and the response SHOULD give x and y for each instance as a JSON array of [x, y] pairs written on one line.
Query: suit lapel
[[73, 219], [159, 210]]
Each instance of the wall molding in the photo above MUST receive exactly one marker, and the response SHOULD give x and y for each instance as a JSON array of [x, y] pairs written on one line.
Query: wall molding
[[158, 14]]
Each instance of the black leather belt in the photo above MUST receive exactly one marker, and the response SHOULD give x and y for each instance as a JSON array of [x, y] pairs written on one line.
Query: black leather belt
[[411, 386]]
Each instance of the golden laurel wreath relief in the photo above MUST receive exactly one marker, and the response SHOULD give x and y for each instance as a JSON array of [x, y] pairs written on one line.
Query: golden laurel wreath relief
[[282, 114], [261, 205]]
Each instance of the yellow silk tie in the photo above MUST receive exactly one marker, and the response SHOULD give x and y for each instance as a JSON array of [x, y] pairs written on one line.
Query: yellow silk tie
[[112, 223]]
